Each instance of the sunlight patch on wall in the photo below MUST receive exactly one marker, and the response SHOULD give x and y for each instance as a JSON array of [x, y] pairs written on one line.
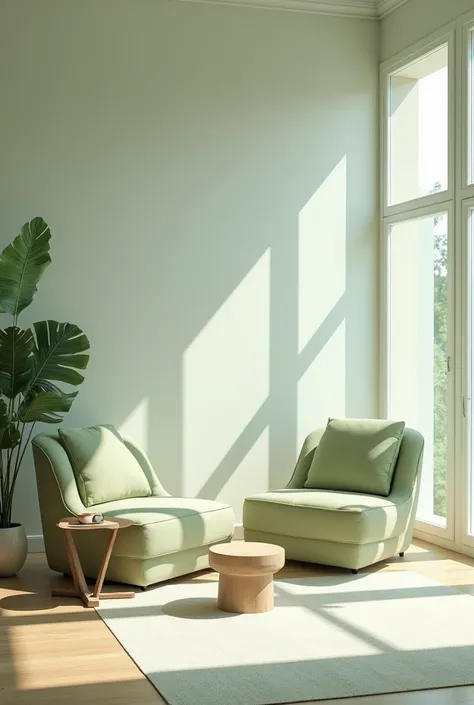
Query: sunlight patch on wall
[[136, 425], [248, 477], [322, 253], [226, 377], [322, 389]]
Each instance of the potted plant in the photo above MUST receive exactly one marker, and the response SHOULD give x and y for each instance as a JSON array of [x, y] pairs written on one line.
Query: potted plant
[[32, 360]]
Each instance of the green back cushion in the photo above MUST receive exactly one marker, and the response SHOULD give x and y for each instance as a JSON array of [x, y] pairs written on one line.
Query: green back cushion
[[356, 455], [104, 468]]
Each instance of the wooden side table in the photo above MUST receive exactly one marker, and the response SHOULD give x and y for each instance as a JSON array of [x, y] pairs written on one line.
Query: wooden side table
[[246, 571], [81, 590]]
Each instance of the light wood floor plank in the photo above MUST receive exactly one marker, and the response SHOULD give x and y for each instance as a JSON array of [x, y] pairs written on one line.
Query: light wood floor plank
[[55, 652]]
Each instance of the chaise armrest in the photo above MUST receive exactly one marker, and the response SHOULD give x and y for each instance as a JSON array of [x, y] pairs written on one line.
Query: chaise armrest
[[305, 459], [51, 461]]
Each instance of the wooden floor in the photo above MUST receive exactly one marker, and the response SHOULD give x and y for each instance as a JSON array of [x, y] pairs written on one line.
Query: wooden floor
[[54, 651]]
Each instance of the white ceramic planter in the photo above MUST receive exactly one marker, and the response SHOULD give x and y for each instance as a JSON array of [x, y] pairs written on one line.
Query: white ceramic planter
[[13, 550]]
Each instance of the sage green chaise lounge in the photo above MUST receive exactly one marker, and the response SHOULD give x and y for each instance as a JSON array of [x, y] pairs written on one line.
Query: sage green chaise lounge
[[334, 527], [96, 470]]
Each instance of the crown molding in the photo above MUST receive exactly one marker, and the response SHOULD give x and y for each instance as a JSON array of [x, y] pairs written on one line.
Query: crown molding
[[385, 7], [365, 9]]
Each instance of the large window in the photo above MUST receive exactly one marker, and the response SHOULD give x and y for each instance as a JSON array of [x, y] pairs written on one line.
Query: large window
[[428, 246], [419, 246]]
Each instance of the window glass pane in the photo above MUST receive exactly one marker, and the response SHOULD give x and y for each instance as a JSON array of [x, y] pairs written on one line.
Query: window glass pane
[[418, 348], [418, 128]]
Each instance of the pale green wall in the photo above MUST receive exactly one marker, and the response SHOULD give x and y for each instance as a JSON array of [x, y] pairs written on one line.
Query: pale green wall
[[415, 20], [210, 178]]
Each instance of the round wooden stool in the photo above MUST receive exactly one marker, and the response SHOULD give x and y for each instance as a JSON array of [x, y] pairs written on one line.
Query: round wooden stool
[[246, 575]]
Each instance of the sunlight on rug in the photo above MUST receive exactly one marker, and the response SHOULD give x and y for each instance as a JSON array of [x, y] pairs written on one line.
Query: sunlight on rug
[[332, 637]]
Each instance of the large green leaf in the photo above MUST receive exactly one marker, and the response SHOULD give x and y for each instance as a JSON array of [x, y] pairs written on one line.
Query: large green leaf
[[9, 434], [45, 407], [57, 355], [16, 360], [21, 265]]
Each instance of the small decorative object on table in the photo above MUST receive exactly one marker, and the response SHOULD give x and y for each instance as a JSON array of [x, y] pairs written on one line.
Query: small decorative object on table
[[81, 590], [90, 518], [246, 571]]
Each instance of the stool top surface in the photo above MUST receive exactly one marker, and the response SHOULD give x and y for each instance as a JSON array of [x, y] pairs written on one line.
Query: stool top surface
[[247, 549], [73, 524]]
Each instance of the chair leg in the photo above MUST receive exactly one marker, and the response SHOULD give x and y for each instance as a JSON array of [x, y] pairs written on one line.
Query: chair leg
[[354, 571], [402, 554]]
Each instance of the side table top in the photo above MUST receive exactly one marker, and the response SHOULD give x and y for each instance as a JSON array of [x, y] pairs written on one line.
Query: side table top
[[247, 549], [73, 524]]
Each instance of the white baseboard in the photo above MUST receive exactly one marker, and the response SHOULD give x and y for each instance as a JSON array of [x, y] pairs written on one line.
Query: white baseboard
[[443, 543], [36, 543]]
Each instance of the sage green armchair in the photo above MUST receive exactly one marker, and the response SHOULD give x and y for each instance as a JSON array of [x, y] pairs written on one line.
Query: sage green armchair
[[344, 529], [170, 536]]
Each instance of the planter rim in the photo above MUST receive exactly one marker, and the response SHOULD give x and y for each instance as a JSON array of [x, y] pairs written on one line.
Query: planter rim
[[12, 526]]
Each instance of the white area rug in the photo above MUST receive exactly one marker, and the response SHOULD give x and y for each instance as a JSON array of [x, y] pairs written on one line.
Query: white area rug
[[332, 637]]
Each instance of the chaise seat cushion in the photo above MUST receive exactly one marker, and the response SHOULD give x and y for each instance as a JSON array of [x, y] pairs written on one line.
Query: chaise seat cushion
[[163, 525], [343, 517]]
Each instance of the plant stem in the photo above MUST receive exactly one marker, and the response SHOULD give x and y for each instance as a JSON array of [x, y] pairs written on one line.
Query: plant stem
[[19, 448], [6, 498], [2, 491], [7, 474], [10, 408], [1, 472], [19, 460], [9, 482], [20, 457]]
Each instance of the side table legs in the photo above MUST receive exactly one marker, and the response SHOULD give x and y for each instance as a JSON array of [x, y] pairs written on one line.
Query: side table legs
[[105, 563], [81, 590]]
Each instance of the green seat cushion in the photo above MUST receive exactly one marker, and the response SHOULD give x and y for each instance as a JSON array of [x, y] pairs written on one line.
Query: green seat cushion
[[104, 468], [163, 525], [356, 455], [340, 517]]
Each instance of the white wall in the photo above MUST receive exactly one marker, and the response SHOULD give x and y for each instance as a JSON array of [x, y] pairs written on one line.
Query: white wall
[[415, 20], [210, 178]]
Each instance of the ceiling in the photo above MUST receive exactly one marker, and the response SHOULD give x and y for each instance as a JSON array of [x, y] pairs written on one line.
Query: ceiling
[[370, 9]]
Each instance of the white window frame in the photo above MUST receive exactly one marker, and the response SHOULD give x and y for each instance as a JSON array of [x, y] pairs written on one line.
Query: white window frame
[[387, 68], [464, 204], [458, 200], [466, 437], [464, 103], [443, 201]]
